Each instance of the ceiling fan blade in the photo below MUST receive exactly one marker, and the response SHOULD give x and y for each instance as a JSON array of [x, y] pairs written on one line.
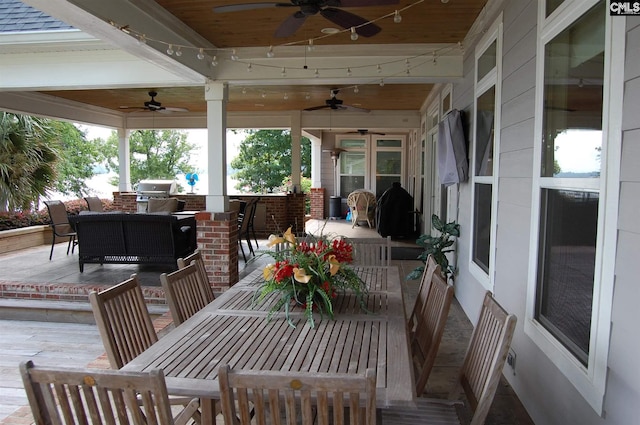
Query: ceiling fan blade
[[354, 108], [290, 25], [347, 20], [172, 109], [365, 3], [248, 6], [315, 108]]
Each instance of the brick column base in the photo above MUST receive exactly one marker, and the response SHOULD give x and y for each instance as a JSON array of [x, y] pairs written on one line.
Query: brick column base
[[218, 243], [317, 203]]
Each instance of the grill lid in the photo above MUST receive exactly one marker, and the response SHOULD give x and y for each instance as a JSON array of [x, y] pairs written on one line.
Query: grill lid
[[156, 187]]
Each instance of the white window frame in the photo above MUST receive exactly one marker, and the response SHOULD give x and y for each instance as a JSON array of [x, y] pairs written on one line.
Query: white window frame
[[590, 381], [492, 79]]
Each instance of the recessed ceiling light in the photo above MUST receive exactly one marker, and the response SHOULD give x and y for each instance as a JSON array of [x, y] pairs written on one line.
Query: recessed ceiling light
[[330, 30]]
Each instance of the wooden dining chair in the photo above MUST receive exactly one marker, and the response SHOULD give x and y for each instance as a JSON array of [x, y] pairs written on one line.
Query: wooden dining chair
[[245, 219], [94, 204], [125, 325], [185, 292], [371, 251], [60, 225], [425, 340], [275, 393], [478, 377], [202, 271], [430, 268], [123, 321], [94, 396]]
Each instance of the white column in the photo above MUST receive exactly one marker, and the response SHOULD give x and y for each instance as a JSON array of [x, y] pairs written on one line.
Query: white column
[[124, 160], [296, 151], [316, 161], [216, 95]]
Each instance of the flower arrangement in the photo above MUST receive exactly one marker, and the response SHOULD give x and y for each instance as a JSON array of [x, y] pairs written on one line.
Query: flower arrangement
[[309, 275]]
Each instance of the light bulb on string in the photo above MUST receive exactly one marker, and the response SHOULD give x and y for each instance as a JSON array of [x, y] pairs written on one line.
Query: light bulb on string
[[348, 72], [263, 94], [381, 83], [356, 90], [244, 90], [408, 72], [178, 52], [142, 39], [200, 54], [234, 57], [286, 96], [310, 47], [249, 67], [170, 50], [397, 18], [283, 72], [214, 61], [316, 73], [270, 52], [307, 96], [354, 34], [378, 69]]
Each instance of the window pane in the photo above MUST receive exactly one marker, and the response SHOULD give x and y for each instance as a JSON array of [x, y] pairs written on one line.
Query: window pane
[[388, 162], [573, 96], [384, 182], [566, 266], [349, 143], [482, 226], [487, 61], [484, 133], [352, 163], [389, 143], [350, 183], [552, 5], [446, 102]]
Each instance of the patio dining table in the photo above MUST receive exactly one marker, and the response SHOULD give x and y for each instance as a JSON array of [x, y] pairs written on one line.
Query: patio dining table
[[234, 330]]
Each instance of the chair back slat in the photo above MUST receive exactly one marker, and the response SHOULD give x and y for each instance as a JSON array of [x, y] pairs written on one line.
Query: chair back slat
[[185, 292], [371, 251], [123, 320], [486, 356], [202, 271], [430, 328], [93, 396], [430, 268], [94, 204], [293, 395]]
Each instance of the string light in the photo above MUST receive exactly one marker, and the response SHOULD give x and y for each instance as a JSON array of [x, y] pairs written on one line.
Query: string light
[[316, 73], [263, 94], [178, 52], [310, 46], [286, 96], [378, 69], [244, 90], [249, 67], [283, 72], [214, 61], [200, 54], [356, 90], [397, 18], [307, 96], [348, 72], [354, 34], [170, 49], [270, 52], [234, 56], [382, 83]]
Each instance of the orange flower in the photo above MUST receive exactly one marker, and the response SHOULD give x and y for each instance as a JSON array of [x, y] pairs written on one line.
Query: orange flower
[[301, 275], [334, 264], [267, 272]]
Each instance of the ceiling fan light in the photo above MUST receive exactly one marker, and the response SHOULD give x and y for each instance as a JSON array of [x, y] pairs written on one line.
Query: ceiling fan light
[[354, 34], [270, 52], [200, 54], [170, 50], [397, 18]]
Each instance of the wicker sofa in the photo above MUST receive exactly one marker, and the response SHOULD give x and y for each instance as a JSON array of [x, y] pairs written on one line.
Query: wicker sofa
[[124, 238]]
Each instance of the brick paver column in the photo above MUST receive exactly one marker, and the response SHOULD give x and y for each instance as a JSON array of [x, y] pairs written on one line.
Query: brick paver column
[[317, 203], [218, 243]]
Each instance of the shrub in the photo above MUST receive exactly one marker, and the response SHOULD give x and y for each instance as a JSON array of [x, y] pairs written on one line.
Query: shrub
[[17, 220]]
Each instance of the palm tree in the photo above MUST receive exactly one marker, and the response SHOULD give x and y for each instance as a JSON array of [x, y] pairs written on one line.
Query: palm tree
[[28, 156]]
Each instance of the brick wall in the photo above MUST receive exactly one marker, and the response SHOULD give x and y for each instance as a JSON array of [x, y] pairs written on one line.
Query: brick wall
[[317, 203], [126, 201], [281, 211], [218, 243]]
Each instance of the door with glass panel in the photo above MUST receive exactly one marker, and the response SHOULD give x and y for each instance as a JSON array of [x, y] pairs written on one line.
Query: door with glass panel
[[353, 171]]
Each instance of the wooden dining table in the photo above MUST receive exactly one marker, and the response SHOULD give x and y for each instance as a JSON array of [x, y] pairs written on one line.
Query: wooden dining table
[[234, 330]]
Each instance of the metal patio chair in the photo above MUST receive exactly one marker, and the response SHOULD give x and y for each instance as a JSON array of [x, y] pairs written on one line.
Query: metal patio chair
[[60, 225]]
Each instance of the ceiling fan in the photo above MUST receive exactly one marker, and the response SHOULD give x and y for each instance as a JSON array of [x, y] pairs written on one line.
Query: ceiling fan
[[154, 106], [327, 8], [362, 132], [336, 104]]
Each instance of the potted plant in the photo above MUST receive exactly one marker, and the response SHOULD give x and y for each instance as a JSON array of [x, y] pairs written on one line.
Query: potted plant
[[438, 246]]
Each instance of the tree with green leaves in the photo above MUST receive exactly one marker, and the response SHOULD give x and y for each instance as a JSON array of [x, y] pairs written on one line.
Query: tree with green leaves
[[29, 151], [264, 160], [155, 154], [78, 159]]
